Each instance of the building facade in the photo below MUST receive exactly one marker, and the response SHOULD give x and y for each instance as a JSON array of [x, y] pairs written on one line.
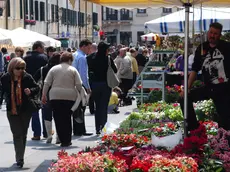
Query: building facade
[[55, 18], [125, 26]]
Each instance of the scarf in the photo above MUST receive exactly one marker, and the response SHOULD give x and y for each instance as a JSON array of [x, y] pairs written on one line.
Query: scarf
[[16, 101]]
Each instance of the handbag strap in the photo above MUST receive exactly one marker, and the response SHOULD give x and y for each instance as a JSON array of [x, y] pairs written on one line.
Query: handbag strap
[[109, 61], [42, 75]]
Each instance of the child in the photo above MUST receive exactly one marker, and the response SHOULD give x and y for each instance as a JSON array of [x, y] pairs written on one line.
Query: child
[[113, 102]]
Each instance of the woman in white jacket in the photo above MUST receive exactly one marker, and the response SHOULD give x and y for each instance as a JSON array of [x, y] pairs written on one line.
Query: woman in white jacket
[[65, 83]]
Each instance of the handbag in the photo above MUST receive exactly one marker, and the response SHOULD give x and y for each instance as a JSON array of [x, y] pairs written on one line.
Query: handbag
[[34, 104], [112, 79]]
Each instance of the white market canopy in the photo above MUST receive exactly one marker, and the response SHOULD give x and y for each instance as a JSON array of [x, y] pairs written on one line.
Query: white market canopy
[[5, 36], [25, 38], [174, 23], [131, 4]]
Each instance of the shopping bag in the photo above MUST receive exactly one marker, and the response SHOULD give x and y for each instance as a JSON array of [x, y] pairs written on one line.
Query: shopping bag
[[109, 128]]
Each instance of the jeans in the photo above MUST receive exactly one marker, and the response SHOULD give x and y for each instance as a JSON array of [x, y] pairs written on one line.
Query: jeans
[[111, 108], [36, 125], [47, 112], [101, 95]]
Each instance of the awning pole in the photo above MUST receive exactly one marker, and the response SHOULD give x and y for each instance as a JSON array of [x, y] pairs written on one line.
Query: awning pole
[[187, 8]]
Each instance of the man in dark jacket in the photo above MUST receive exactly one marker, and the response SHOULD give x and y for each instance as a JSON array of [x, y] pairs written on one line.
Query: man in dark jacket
[[35, 61]]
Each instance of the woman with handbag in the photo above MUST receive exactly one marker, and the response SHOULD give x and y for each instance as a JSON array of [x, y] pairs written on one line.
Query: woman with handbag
[[102, 66], [19, 88], [62, 81]]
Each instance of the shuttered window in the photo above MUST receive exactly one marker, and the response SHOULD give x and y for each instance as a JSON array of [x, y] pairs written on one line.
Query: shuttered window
[[42, 11], [36, 10]]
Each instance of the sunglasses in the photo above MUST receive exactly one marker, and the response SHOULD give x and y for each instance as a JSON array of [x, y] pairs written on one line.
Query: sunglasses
[[20, 68]]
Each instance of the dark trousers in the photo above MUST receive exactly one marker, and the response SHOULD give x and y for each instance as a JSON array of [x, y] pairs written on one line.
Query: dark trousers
[[19, 125], [101, 95], [79, 128], [91, 102], [47, 112], [62, 118], [134, 77], [125, 85], [221, 98]]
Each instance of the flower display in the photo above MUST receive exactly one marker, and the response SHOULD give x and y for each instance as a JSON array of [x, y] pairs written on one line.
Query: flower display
[[221, 149], [123, 140], [88, 162]]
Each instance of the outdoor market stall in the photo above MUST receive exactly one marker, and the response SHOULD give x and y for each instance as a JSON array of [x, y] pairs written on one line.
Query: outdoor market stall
[[129, 149]]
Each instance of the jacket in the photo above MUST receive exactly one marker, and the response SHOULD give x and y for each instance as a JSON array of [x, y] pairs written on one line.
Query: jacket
[[27, 82], [35, 61], [82, 97]]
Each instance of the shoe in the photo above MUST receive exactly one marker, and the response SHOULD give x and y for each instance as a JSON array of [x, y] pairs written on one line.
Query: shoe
[[87, 134], [66, 144], [36, 138], [116, 111], [83, 134], [20, 163], [98, 132]]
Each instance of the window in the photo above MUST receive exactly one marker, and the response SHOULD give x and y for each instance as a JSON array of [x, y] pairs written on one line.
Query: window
[[36, 10], [63, 20], [26, 8], [32, 9], [52, 13], [42, 11], [21, 9], [167, 10], [56, 13], [126, 14], [95, 19], [8, 8], [111, 14], [141, 11]]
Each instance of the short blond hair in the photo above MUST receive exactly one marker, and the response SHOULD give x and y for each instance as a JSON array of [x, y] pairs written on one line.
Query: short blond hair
[[14, 63]]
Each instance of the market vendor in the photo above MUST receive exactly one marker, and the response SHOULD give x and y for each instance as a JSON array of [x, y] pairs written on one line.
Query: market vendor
[[213, 59]]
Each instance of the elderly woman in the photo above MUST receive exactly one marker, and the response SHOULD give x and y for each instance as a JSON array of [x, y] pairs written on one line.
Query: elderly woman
[[62, 80], [18, 87]]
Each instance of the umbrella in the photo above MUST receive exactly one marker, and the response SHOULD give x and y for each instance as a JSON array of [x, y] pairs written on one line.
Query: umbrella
[[131, 4], [26, 38], [174, 23]]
